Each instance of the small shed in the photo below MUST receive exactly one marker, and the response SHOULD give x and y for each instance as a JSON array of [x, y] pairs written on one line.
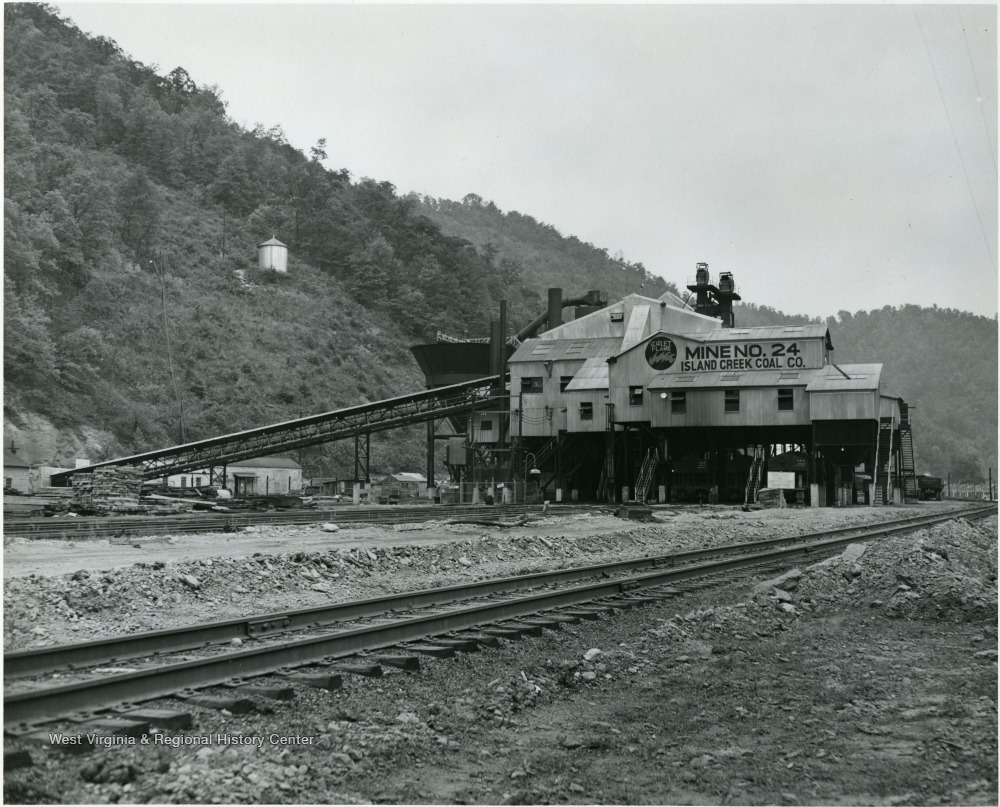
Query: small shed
[[15, 472], [264, 476], [409, 484]]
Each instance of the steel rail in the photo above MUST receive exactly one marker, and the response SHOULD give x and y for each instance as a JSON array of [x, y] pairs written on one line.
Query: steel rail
[[389, 514], [164, 681], [115, 648]]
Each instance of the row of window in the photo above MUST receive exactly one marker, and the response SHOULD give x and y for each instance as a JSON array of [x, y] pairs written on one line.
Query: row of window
[[678, 399]]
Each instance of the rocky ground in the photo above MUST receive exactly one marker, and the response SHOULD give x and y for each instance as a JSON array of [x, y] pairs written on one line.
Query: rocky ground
[[869, 678], [57, 592]]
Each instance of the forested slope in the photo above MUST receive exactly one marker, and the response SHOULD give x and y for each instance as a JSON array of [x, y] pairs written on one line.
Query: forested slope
[[133, 207]]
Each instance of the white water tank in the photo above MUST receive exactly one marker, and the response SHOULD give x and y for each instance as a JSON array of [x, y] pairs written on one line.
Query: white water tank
[[273, 255]]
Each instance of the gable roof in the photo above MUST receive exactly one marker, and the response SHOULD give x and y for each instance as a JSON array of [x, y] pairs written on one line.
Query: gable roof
[[11, 460], [536, 350], [406, 476], [838, 378]]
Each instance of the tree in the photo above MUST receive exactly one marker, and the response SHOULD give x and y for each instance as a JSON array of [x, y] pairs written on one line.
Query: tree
[[318, 151], [139, 213], [967, 468]]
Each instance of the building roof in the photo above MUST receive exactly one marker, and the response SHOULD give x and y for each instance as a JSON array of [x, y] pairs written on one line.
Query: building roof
[[406, 476], [593, 375], [271, 242], [834, 378], [266, 462], [534, 350], [763, 332], [11, 460]]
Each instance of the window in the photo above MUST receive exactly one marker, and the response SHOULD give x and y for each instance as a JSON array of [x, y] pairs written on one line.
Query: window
[[635, 396], [8, 481], [617, 316], [732, 400], [786, 400], [678, 403], [184, 481], [564, 382], [197, 481], [486, 425], [531, 384], [586, 410]]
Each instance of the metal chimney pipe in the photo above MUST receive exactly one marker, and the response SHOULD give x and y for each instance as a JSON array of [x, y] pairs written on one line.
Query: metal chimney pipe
[[555, 308]]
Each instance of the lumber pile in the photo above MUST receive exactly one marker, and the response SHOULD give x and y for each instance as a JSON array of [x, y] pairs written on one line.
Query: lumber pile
[[107, 490]]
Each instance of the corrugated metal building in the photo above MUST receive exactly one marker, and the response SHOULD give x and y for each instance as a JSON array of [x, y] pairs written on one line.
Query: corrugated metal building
[[617, 401]]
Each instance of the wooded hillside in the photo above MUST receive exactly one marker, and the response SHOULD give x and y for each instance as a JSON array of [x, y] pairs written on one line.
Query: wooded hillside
[[133, 303]]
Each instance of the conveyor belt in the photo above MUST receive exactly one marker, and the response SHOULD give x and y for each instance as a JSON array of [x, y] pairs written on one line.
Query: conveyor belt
[[417, 407]]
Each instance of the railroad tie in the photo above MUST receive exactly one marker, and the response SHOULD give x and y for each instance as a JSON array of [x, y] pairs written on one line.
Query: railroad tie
[[593, 612], [503, 633], [318, 681], [522, 627], [481, 639], [275, 693], [633, 602], [460, 644], [561, 616], [434, 651], [544, 623], [409, 663], [161, 718], [116, 727], [367, 670], [236, 706]]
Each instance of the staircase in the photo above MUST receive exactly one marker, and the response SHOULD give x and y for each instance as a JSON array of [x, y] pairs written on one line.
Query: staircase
[[646, 476], [911, 488], [883, 459], [756, 472], [605, 485]]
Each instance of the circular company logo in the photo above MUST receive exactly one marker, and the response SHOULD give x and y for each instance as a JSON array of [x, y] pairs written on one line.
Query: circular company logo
[[661, 353]]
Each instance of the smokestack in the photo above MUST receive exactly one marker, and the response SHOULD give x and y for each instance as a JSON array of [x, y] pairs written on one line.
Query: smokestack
[[555, 308], [496, 345]]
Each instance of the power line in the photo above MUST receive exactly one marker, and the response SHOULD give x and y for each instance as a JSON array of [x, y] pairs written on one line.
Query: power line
[[954, 138], [979, 95]]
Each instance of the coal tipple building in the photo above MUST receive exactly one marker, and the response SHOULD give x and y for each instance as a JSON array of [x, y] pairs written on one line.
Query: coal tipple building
[[647, 399]]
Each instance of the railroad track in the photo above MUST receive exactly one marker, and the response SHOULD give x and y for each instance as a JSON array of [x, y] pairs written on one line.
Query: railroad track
[[115, 526], [315, 646]]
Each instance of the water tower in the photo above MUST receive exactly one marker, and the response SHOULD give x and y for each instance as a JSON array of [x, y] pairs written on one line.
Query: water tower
[[273, 255]]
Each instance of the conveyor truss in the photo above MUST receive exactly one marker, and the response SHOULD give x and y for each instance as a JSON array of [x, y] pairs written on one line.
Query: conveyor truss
[[340, 424]]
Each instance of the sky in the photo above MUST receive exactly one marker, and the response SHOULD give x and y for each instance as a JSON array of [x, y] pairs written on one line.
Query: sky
[[833, 157]]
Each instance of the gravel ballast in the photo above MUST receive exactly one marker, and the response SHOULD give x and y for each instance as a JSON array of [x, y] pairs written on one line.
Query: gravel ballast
[[869, 678]]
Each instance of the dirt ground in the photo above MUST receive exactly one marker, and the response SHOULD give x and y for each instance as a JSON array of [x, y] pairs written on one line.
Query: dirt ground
[[58, 591], [870, 678]]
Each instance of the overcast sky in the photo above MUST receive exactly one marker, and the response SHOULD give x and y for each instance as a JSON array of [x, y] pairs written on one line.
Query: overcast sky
[[831, 156]]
